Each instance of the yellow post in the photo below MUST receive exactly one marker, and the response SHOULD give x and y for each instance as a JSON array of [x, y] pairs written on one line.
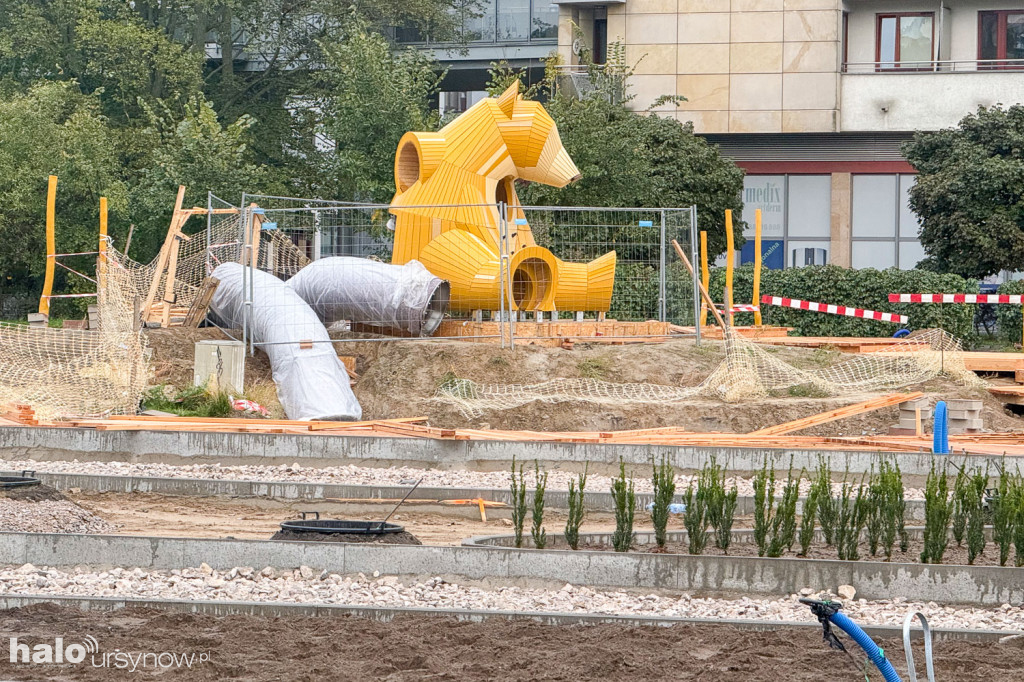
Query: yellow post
[[101, 261], [51, 246], [757, 266], [728, 263], [705, 275]]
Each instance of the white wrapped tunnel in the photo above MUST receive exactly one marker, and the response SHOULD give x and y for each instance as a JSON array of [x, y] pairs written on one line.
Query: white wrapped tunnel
[[406, 297], [311, 381]]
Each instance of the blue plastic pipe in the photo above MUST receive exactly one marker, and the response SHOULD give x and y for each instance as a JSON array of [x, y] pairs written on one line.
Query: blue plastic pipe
[[873, 651], [940, 437]]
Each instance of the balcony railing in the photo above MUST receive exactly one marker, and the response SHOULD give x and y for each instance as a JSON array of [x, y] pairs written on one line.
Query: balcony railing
[[936, 66]]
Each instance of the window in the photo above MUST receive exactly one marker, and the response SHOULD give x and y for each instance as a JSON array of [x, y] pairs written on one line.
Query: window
[[513, 20], [796, 217], [545, 19], [1000, 36], [884, 229], [478, 21], [905, 41], [489, 21]]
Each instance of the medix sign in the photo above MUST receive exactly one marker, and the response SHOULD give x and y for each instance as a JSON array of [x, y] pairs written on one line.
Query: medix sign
[[768, 197], [44, 653]]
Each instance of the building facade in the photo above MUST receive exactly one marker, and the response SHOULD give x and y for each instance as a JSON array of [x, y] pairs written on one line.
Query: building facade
[[813, 98]]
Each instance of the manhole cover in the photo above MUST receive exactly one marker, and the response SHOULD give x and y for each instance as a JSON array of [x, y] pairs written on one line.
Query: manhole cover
[[27, 478], [340, 526]]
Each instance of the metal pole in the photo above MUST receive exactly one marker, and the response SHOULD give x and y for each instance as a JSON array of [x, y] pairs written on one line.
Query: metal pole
[[693, 259], [246, 305], [512, 314], [209, 230], [661, 273], [501, 272]]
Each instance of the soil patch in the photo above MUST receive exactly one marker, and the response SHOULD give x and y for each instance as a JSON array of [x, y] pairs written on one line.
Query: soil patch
[[400, 538], [400, 379], [259, 648], [32, 493]]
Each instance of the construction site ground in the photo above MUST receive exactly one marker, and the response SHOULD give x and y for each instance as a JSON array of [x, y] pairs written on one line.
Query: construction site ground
[[259, 648], [400, 378], [258, 519]]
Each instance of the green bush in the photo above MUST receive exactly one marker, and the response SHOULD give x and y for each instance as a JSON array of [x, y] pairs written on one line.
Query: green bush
[[867, 288], [663, 479], [1004, 510], [576, 510], [192, 401], [517, 488], [540, 538], [937, 511], [1009, 316], [624, 496]]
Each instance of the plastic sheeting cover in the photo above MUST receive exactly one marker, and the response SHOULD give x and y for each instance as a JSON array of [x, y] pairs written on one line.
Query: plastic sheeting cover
[[406, 297], [311, 382]]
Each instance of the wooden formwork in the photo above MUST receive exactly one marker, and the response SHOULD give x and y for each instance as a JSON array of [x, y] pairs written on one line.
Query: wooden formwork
[[558, 332]]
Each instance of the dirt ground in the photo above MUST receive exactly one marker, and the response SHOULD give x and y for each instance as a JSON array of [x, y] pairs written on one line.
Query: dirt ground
[[399, 378], [171, 516], [427, 648]]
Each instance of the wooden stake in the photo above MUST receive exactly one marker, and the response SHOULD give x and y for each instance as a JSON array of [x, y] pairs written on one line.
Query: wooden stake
[[757, 266], [51, 246], [128, 242], [918, 431], [728, 264], [703, 290], [705, 272], [165, 253]]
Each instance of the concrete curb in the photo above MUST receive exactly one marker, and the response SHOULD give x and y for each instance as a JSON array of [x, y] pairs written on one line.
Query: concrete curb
[[315, 492], [175, 447], [974, 585], [386, 614]]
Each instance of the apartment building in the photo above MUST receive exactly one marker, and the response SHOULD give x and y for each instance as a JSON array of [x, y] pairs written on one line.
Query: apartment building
[[814, 98]]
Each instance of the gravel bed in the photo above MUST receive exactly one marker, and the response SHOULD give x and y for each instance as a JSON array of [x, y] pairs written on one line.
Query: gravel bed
[[49, 516], [308, 586], [357, 475]]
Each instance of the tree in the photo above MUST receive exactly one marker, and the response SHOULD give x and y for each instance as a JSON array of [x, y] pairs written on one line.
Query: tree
[[197, 151], [369, 96], [969, 193], [53, 129]]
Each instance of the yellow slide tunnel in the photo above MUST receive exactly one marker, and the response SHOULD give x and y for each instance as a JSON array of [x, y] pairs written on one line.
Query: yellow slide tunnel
[[539, 280]]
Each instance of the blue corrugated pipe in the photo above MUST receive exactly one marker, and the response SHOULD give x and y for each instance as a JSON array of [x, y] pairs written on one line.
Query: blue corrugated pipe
[[873, 651], [940, 437]]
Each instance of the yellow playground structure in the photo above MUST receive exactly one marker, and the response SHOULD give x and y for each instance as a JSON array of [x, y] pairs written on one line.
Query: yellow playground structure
[[449, 186]]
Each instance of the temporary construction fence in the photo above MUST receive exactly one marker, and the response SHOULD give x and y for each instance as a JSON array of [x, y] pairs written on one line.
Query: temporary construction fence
[[498, 275], [748, 371]]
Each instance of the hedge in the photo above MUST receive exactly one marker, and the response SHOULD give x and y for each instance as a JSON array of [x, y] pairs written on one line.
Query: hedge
[[866, 288], [1009, 316]]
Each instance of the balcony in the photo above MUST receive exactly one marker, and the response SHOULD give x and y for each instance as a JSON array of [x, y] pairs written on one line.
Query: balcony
[[907, 96]]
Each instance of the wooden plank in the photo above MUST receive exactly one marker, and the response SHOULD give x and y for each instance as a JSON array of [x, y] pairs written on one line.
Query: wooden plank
[[834, 415], [201, 304], [979, 361], [165, 252]]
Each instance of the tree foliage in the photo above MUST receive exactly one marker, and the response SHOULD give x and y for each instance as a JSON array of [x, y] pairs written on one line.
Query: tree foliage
[[970, 192]]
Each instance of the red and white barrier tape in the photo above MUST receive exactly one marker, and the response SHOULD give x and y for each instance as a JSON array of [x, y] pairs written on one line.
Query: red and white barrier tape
[[834, 309], [1016, 299], [737, 308]]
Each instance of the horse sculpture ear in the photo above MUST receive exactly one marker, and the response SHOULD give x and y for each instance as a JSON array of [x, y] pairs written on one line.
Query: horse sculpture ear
[[507, 99]]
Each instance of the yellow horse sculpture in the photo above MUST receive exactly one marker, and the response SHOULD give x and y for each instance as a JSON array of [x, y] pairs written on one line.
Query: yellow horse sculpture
[[449, 184]]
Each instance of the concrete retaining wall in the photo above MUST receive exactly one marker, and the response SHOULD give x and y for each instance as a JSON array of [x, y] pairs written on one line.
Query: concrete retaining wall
[[386, 614], [176, 447], [703, 574]]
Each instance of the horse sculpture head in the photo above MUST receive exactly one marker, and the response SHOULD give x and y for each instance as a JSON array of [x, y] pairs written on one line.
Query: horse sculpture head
[[449, 187]]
